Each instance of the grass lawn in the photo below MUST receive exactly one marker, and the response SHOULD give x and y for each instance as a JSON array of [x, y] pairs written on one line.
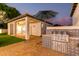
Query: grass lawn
[[7, 40]]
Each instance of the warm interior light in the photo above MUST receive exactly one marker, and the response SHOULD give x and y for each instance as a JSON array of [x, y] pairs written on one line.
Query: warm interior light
[[20, 27]]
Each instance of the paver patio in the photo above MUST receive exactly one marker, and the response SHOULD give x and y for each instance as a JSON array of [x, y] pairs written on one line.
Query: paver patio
[[30, 47]]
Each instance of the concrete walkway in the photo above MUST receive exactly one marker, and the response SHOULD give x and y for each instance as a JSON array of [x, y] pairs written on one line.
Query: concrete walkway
[[30, 47]]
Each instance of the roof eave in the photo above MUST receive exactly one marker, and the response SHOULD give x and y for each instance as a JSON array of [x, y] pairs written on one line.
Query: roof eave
[[25, 16], [73, 9]]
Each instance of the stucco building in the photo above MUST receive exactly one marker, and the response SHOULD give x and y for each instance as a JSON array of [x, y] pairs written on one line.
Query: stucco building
[[75, 14], [26, 25]]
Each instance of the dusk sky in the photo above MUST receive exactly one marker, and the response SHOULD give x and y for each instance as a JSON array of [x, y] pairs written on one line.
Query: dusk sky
[[63, 9]]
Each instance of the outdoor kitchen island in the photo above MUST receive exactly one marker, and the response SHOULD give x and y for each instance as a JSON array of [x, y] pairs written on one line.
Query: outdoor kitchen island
[[63, 39]]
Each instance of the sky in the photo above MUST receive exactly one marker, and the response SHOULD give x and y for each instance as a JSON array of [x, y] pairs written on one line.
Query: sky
[[63, 9]]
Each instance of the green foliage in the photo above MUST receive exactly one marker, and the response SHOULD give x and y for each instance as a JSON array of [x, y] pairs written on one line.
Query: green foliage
[[10, 11]]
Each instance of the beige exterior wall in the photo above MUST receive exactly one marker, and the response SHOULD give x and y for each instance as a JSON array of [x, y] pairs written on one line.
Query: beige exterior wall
[[8, 28], [14, 25], [15, 30], [9, 31], [20, 27], [76, 16], [3, 30], [32, 27], [35, 29], [27, 28]]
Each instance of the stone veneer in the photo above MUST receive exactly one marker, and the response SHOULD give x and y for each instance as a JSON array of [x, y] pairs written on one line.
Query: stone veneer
[[69, 47]]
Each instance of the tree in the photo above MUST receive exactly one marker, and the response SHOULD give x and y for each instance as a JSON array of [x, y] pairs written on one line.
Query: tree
[[45, 14], [10, 11], [6, 13]]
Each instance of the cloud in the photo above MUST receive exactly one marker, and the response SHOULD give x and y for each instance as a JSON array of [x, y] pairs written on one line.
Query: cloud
[[61, 21]]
